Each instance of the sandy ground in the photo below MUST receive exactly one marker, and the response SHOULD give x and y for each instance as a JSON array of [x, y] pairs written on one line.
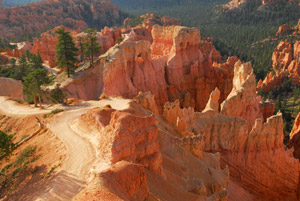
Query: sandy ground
[[80, 160]]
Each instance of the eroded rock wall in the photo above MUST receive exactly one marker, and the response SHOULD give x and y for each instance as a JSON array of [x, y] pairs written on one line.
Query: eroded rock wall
[[11, 88]]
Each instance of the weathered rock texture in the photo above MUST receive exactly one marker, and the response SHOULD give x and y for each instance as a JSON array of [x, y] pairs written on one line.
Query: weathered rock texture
[[242, 102], [179, 68], [254, 152], [295, 137], [177, 65], [286, 63], [12, 88], [267, 108], [122, 181], [134, 141], [129, 135]]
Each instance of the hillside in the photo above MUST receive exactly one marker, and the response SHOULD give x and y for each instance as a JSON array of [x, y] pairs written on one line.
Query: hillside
[[23, 22], [236, 32]]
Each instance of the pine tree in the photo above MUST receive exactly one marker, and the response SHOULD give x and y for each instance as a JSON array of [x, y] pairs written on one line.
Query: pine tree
[[66, 51], [80, 40], [32, 86], [91, 47], [22, 68], [35, 61]]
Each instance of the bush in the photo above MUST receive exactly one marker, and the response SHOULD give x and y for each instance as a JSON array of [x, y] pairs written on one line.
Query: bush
[[57, 95], [6, 144]]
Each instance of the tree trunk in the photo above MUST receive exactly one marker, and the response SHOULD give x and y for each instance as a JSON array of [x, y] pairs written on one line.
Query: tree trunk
[[40, 101], [35, 101]]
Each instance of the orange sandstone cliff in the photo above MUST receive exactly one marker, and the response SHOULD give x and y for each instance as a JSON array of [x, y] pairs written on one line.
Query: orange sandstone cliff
[[210, 119], [171, 68]]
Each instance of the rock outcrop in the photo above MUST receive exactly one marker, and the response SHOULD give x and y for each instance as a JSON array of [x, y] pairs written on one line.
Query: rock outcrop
[[172, 67], [267, 108], [254, 152], [285, 64], [133, 142], [242, 102], [129, 135], [283, 30], [295, 138], [11, 88], [122, 181]]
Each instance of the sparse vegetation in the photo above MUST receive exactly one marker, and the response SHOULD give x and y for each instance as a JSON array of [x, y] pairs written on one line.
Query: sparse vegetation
[[11, 175], [53, 112], [6, 144]]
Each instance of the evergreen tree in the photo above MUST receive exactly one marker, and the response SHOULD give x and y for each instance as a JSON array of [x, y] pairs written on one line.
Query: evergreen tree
[[32, 86], [91, 47], [22, 68], [81, 47], [36, 61], [6, 144], [66, 51], [13, 67]]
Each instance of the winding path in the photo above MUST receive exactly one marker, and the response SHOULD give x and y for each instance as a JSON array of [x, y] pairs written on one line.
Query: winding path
[[80, 153]]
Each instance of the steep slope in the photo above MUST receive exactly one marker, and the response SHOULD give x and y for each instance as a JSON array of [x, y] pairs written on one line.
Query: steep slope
[[20, 21]]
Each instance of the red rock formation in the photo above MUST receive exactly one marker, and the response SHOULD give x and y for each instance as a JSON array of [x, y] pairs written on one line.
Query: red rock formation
[[242, 102], [149, 20], [286, 63], [147, 101], [283, 30], [171, 68], [267, 109], [129, 135], [21, 20], [282, 55], [122, 181], [232, 5], [128, 180], [256, 157], [295, 137], [12, 88]]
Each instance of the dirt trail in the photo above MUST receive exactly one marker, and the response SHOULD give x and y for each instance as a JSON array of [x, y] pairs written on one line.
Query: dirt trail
[[80, 153]]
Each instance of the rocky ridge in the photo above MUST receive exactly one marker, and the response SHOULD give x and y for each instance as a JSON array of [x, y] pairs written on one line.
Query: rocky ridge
[[209, 109]]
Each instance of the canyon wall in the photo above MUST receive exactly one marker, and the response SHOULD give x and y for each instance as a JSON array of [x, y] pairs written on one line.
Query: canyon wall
[[213, 118], [135, 66], [254, 151]]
